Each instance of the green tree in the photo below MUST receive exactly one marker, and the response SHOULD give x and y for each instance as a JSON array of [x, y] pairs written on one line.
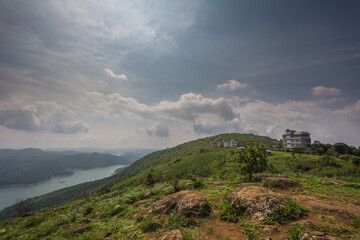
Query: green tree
[[252, 160], [298, 150], [150, 180]]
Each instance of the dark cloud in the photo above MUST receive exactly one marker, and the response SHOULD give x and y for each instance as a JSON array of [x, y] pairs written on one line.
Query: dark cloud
[[22, 119]]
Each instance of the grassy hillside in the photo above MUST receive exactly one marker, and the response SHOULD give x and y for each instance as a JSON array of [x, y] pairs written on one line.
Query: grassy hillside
[[113, 212]]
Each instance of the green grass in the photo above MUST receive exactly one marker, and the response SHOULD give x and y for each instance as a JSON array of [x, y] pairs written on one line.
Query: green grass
[[194, 162], [288, 212], [230, 213], [295, 230]]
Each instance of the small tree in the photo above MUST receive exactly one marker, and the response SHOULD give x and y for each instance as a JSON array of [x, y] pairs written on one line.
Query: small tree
[[150, 180], [298, 150], [252, 160]]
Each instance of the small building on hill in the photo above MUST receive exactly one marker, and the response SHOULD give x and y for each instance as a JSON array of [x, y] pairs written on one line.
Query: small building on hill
[[295, 139], [231, 144]]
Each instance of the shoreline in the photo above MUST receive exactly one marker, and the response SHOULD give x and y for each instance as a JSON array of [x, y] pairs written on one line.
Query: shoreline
[[58, 176], [36, 183]]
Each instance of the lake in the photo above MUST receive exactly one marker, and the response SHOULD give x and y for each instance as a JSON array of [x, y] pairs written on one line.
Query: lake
[[9, 195]]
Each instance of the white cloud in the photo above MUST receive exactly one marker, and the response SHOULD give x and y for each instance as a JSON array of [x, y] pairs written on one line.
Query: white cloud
[[191, 108], [39, 116], [158, 131], [232, 85], [321, 91], [350, 112], [117, 76]]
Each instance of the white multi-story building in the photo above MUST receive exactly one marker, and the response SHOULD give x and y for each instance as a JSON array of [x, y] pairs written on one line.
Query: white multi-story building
[[231, 144], [294, 139]]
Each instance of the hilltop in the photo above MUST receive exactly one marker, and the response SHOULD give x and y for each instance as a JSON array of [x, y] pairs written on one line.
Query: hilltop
[[194, 191]]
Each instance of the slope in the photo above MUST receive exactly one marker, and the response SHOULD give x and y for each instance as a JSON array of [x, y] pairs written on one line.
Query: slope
[[189, 194]]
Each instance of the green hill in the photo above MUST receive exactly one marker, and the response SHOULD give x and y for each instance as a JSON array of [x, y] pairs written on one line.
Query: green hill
[[180, 161], [115, 210]]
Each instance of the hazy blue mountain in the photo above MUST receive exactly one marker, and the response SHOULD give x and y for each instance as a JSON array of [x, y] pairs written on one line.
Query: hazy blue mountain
[[32, 165]]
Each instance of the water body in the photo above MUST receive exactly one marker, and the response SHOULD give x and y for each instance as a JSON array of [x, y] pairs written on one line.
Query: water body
[[9, 195]]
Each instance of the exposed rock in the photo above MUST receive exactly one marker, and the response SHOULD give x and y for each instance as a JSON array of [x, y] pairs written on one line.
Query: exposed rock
[[183, 202], [96, 215], [172, 235], [307, 235], [279, 182], [215, 183], [2, 230], [147, 195], [270, 229], [144, 201], [259, 202], [342, 210], [309, 224]]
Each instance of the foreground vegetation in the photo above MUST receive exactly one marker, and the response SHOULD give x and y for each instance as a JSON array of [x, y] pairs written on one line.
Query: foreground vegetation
[[113, 212]]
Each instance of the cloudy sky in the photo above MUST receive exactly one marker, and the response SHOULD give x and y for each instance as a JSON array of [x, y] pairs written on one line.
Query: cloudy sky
[[157, 73]]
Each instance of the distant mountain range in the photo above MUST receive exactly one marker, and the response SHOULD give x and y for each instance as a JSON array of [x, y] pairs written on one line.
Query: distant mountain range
[[32, 165]]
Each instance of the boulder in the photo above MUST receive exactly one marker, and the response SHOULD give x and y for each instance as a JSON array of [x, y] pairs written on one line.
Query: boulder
[[172, 235], [307, 235], [183, 202], [259, 202], [324, 206]]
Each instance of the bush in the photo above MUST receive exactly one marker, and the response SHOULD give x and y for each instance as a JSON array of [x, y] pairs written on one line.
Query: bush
[[176, 221], [230, 213], [355, 223], [149, 225], [197, 183], [205, 210], [176, 186], [251, 231], [287, 212], [356, 161], [328, 160], [295, 230], [281, 184]]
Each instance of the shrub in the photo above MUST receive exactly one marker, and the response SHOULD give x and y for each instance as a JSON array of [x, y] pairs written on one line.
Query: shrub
[[328, 160], [356, 161], [295, 230], [176, 221], [197, 183], [176, 186], [281, 184], [355, 223], [251, 231], [346, 157], [287, 212], [205, 210], [150, 180], [149, 225], [88, 210], [230, 213]]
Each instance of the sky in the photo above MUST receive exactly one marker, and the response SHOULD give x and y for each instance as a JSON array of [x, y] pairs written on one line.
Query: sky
[[155, 74]]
